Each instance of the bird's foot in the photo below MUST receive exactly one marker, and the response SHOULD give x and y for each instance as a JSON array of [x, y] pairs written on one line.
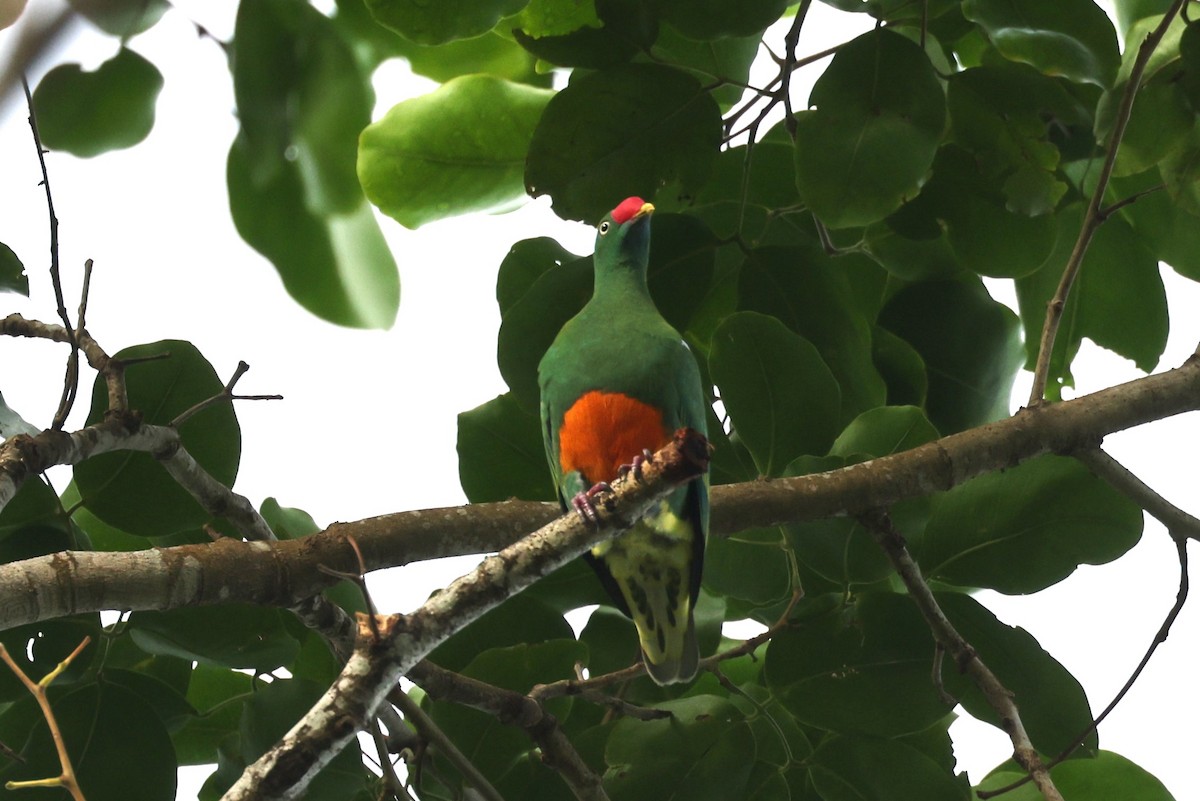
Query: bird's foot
[[584, 503], [635, 466]]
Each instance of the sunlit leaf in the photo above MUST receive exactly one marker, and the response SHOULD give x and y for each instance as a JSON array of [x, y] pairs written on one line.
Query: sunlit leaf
[[435, 23]]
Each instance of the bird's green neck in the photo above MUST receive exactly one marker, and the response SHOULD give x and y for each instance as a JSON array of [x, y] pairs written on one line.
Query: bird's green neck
[[622, 283]]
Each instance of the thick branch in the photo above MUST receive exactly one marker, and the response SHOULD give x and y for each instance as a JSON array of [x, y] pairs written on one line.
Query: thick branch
[[394, 646], [284, 573], [997, 695]]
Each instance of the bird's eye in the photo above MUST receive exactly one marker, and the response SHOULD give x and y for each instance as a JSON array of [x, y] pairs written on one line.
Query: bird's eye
[[604, 227]]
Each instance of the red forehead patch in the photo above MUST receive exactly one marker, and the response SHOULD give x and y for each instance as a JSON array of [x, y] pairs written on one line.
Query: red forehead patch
[[625, 211]]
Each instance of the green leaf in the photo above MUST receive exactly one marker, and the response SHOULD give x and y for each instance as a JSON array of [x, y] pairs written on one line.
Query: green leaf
[[869, 143], [89, 113], [121, 18], [501, 455], [12, 279], [902, 368], [160, 390], [809, 292], [1069, 38], [727, 57], [857, 768], [970, 344], [783, 400], [1169, 232], [1161, 121], [1118, 300], [1026, 528], [525, 262], [1053, 705], [490, 54], [169, 705], [293, 189], [1106, 777], [288, 523], [234, 635], [48, 643], [682, 263], [1181, 173], [36, 503], [719, 19], [415, 173], [217, 695], [703, 751], [629, 130], [518, 620], [435, 23], [750, 565], [1130, 11], [862, 669], [884, 431], [102, 725]]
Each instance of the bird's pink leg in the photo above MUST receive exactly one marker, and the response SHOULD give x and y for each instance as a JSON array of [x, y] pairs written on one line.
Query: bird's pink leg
[[636, 466], [584, 502]]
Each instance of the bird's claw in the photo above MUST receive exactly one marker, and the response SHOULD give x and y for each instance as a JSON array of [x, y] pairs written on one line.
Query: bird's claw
[[636, 466], [584, 503]]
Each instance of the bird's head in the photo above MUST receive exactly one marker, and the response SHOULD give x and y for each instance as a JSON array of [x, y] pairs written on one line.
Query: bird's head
[[623, 236]]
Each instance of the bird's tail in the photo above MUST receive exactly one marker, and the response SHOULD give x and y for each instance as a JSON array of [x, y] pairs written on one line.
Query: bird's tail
[[679, 660]]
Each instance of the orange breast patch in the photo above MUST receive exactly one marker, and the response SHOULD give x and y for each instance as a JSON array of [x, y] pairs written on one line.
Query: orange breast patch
[[604, 430]]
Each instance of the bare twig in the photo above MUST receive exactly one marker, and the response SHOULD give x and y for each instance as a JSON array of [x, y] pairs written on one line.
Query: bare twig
[[225, 395], [66, 779], [437, 738], [890, 540], [1179, 523], [394, 784], [1092, 217]]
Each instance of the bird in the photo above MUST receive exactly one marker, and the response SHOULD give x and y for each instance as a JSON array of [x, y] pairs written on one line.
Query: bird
[[616, 383]]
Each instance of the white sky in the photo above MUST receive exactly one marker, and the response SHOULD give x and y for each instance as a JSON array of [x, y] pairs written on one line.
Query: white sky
[[368, 424]]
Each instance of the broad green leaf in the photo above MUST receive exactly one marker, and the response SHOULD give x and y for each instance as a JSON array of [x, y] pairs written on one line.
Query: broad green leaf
[[703, 751], [48, 643], [518, 620], [902, 368], [532, 323], [35, 503], [868, 144], [1009, 116], [1181, 173], [911, 258], [572, 586], [860, 669], [1026, 528], [102, 725], [1053, 705], [857, 768], [884, 431], [1130, 11], [808, 292], [782, 398], [416, 173], [588, 47], [235, 635], [1161, 121], [168, 704], [745, 188], [121, 18], [1106, 777], [750, 565], [555, 18], [293, 189], [720, 19], [1169, 232], [970, 345], [217, 695], [489, 54], [434, 23], [160, 390], [615, 133], [1071, 38], [681, 268], [268, 715], [89, 113], [727, 58], [12, 423], [288, 523], [12, 279], [1118, 300], [501, 455], [525, 262], [611, 640]]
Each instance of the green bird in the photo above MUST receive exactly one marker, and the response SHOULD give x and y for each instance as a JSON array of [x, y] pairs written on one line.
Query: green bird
[[616, 384]]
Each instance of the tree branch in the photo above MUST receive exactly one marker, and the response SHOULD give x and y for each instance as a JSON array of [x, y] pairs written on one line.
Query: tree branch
[[1093, 217], [397, 643], [997, 695]]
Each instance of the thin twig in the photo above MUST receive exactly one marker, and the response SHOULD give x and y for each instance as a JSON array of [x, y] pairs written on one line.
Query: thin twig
[[1179, 523], [226, 394], [1093, 218], [66, 779], [71, 379], [998, 696]]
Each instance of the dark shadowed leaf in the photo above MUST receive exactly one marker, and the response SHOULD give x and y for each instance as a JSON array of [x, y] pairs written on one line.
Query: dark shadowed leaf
[[870, 141], [863, 668], [782, 398], [102, 725], [1169, 232], [749, 565], [857, 768], [518, 620], [160, 390], [727, 57], [89, 113], [902, 368], [629, 130], [217, 695], [719, 19], [501, 455], [1053, 706], [490, 54], [49, 642], [970, 344], [1026, 528], [235, 636], [12, 279], [1072, 38], [121, 18], [443, 21], [525, 262], [456, 150]]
